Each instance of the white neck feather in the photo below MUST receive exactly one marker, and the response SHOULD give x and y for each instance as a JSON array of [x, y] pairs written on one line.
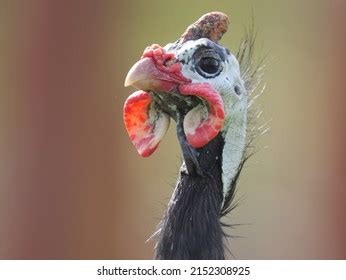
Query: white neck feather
[[235, 139]]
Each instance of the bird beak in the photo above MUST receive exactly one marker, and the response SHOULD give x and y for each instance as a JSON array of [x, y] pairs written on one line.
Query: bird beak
[[145, 75], [156, 71]]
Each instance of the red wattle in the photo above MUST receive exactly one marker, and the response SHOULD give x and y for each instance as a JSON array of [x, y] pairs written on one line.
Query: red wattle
[[146, 126], [200, 133]]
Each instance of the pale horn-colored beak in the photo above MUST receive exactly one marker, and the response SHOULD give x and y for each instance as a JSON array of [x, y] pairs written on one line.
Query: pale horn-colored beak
[[145, 75]]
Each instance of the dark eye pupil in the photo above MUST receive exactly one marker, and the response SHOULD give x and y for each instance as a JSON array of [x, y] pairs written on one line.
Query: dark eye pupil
[[209, 65]]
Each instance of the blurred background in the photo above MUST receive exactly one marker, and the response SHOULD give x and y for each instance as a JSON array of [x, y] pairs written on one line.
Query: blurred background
[[73, 187]]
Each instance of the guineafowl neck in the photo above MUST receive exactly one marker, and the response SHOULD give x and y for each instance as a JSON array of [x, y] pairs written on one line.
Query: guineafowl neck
[[190, 228]]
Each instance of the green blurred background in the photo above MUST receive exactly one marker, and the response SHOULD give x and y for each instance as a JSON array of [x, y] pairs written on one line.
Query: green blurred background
[[71, 184]]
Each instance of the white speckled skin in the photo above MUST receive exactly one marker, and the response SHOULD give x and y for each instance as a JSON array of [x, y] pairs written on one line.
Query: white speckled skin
[[235, 103]]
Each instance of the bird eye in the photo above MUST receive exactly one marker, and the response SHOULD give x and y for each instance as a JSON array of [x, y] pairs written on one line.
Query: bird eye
[[209, 65], [207, 62]]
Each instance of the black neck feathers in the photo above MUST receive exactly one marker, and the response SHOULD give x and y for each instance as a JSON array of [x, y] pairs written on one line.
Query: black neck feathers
[[190, 228]]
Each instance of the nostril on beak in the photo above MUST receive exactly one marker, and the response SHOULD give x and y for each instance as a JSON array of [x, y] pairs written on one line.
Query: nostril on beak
[[237, 90]]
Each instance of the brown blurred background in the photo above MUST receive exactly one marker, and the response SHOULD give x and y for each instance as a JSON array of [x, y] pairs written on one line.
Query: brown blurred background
[[71, 184]]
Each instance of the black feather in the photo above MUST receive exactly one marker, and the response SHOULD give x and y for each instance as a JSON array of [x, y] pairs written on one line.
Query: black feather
[[190, 228]]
